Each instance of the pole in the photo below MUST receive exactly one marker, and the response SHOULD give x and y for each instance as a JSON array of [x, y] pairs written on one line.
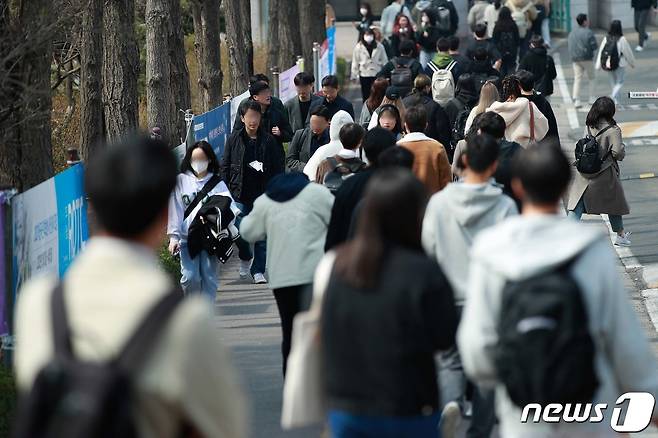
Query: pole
[[300, 63], [6, 344], [316, 66], [275, 81]]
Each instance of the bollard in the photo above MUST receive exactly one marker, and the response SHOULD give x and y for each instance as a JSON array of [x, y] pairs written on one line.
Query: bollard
[[274, 85], [73, 157], [300, 63], [316, 66]]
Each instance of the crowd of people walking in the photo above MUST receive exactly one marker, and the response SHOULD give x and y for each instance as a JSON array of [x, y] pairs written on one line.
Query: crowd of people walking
[[416, 234]]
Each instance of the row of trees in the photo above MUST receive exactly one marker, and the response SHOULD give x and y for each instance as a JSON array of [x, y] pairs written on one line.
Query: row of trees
[[90, 47]]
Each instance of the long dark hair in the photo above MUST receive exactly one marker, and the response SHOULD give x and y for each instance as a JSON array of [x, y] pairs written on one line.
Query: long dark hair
[[377, 93], [213, 163], [615, 29], [390, 108], [505, 21], [369, 15], [392, 214], [603, 109]]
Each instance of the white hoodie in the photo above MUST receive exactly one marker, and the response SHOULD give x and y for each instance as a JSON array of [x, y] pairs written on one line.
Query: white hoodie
[[340, 119], [187, 186], [524, 246], [453, 218], [517, 119]]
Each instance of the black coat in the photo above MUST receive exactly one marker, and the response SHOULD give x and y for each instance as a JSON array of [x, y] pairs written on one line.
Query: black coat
[[340, 104], [546, 109], [438, 123], [413, 64], [233, 166], [541, 65], [428, 43], [643, 4], [275, 115], [201, 235]]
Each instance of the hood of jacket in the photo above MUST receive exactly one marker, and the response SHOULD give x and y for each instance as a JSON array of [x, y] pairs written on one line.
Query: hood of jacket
[[471, 203], [442, 59], [286, 186], [524, 246], [510, 111], [520, 3], [340, 119], [482, 66], [539, 51]]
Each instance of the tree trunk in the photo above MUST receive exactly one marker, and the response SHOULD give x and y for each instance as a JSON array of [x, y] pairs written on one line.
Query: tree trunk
[[179, 74], [158, 74], [120, 69], [207, 47], [273, 37], [25, 131], [237, 14], [311, 28], [91, 60], [289, 40]]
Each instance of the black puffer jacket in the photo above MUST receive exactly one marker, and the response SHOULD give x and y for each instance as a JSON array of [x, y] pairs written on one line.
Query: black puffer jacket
[[541, 65], [269, 152]]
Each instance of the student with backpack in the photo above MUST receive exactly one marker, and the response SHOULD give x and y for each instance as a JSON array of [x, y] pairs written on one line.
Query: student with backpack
[[453, 219], [402, 70], [113, 349], [507, 41], [538, 62], [438, 125], [480, 41], [459, 108], [596, 188], [442, 69], [431, 165], [524, 13], [336, 169], [509, 327], [482, 70], [614, 55], [447, 20]]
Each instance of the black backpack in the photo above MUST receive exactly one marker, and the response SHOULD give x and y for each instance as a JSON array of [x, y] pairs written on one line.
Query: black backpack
[[588, 153], [507, 45], [401, 76], [339, 172], [610, 54], [458, 130], [75, 399], [545, 353]]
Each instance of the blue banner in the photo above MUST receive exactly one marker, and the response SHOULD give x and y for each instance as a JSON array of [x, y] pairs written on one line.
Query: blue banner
[[331, 37], [73, 229], [214, 127]]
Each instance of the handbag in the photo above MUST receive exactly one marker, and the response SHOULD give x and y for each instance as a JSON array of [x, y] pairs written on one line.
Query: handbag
[[303, 395]]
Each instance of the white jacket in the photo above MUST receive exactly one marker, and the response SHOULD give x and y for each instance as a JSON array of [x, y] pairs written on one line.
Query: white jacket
[[187, 186], [296, 231], [517, 119], [626, 56], [491, 17], [524, 246], [340, 119], [367, 65]]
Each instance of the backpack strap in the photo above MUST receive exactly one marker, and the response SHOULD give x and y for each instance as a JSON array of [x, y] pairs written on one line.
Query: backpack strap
[[433, 66], [61, 330], [140, 343], [212, 182], [532, 121], [451, 65]]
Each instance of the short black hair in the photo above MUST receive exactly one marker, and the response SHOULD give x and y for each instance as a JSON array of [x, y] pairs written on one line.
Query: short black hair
[[129, 184], [321, 111], [397, 156], [250, 105], [454, 43], [526, 80], [416, 118], [544, 172], [581, 18], [213, 162], [493, 124], [376, 141], [351, 135], [443, 44], [259, 77], [480, 54], [304, 78], [480, 30], [482, 151], [330, 81], [537, 41], [407, 47], [257, 87]]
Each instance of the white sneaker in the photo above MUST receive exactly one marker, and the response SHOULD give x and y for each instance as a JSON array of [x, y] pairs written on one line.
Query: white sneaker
[[639, 48], [259, 279], [245, 265], [623, 240], [450, 419], [577, 104]]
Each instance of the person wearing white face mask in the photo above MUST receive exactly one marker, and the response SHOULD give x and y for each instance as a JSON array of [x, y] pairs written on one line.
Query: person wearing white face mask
[[368, 58], [366, 19], [199, 179]]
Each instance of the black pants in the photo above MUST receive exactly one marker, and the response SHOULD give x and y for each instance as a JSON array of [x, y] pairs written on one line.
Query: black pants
[[290, 301], [366, 83], [641, 17]]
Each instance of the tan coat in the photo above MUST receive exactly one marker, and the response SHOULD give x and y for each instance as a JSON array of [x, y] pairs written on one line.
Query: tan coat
[[603, 192], [431, 165]]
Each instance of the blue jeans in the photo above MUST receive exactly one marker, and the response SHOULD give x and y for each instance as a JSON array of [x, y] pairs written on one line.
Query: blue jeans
[[199, 274], [244, 248], [345, 425], [616, 221]]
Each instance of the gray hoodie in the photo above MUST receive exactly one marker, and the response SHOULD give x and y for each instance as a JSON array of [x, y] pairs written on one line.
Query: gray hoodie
[[524, 246], [453, 218]]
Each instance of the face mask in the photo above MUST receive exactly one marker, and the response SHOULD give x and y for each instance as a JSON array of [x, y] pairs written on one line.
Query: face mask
[[364, 11], [368, 39], [199, 166]]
